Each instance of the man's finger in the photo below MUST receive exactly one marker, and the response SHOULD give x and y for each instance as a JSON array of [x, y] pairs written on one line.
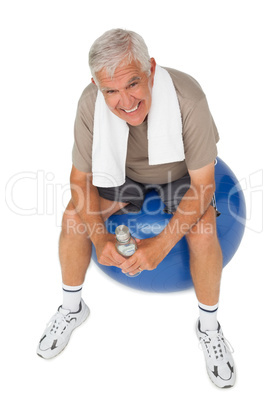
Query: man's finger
[[118, 258]]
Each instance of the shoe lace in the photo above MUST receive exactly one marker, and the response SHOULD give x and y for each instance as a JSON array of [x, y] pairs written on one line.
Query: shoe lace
[[216, 345], [58, 323]]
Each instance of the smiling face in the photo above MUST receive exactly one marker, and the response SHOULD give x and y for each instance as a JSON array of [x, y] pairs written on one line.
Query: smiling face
[[128, 94]]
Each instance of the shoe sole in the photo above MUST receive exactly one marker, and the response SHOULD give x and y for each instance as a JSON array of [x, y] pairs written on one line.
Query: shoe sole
[[59, 351]]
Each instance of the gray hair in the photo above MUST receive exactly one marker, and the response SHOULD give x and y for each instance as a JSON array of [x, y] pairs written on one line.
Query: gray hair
[[116, 46]]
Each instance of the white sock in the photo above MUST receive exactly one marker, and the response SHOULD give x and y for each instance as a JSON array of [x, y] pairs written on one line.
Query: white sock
[[208, 317], [71, 297]]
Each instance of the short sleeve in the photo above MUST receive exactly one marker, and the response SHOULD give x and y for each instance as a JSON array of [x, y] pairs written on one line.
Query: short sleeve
[[83, 138], [200, 136]]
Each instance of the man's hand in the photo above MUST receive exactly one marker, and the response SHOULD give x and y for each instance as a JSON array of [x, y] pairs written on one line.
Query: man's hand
[[106, 251], [147, 257]]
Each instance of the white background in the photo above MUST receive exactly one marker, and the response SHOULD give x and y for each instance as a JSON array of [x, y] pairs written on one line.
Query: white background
[[135, 346]]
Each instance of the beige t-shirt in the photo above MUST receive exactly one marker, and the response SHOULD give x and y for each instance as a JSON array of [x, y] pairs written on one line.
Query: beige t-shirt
[[200, 135]]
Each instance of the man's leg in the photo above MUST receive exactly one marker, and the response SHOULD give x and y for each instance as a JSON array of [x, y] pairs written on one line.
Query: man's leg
[[75, 254], [205, 258], [74, 248], [206, 269]]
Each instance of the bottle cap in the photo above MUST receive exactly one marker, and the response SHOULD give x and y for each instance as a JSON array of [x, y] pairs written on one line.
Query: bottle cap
[[122, 233]]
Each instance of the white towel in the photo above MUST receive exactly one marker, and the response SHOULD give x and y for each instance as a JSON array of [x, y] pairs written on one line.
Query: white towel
[[110, 137]]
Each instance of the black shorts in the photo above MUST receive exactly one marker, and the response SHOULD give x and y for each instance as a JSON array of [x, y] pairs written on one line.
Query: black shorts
[[133, 193]]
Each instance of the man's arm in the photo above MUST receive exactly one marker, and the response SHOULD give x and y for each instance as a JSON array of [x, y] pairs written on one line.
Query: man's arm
[[86, 200], [192, 207]]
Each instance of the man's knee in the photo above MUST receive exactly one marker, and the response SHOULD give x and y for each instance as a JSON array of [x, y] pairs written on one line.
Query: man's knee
[[203, 235], [72, 223]]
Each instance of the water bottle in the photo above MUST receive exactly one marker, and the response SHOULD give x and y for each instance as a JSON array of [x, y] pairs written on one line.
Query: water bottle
[[125, 244]]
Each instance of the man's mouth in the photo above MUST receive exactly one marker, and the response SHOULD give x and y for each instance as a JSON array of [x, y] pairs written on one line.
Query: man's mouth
[[132, 110]]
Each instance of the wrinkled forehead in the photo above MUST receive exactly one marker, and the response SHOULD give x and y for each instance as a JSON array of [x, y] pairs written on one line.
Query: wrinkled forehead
[[123, 74]]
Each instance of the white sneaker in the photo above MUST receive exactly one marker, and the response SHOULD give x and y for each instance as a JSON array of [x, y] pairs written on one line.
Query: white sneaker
[[59, 330], [219, 361]]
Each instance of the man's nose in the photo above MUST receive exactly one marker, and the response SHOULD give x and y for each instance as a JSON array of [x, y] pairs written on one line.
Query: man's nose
[[126, 100]]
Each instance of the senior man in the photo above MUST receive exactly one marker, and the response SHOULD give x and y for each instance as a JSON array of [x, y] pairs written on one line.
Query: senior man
[[139, 126]]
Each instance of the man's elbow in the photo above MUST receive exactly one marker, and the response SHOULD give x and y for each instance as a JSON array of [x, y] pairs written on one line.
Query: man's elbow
[[204, 194], [78, 177], [207, 193]]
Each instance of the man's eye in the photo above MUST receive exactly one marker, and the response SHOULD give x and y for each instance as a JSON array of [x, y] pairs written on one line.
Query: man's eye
[[109, 92], [133, 84]]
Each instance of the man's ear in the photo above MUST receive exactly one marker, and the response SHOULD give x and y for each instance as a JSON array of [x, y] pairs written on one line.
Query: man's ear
[[92, 80], [153, 66]]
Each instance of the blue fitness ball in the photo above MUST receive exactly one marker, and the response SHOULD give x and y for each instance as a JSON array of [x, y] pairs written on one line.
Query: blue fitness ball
[[173, 273]]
